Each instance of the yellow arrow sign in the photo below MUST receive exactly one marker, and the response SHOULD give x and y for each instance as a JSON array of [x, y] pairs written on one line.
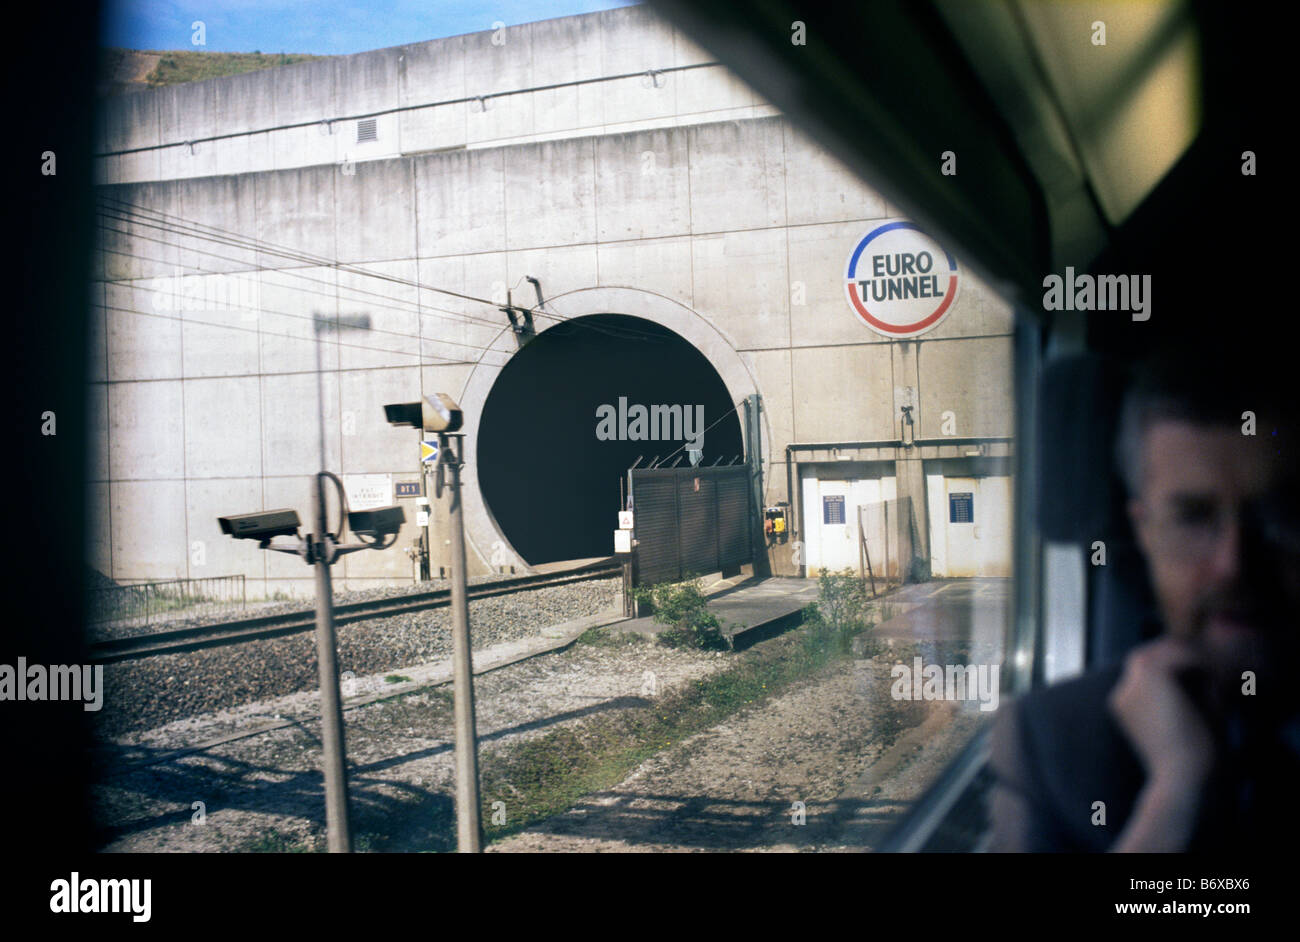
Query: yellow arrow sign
[[428, 451]]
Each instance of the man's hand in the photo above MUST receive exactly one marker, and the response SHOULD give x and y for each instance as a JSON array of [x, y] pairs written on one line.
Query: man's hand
[[1172, 739], [1164, 726]]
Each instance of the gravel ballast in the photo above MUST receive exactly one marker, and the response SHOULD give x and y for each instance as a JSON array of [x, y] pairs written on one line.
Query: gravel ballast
[[149, 692], [216, 613]]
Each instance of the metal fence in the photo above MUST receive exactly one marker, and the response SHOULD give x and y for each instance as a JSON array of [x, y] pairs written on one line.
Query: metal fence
[[690, 521], [887, 542], [144, 601]]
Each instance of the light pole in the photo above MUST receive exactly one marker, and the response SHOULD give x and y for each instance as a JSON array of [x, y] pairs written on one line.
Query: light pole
[[377, 529], [441, 414], [469, 835], [337, 825]]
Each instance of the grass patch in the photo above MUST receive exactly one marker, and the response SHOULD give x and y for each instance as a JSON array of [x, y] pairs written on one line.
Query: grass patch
[[177, 67], [121, 70], [397, 679], [607, 638], [548, 775], [425, 709]]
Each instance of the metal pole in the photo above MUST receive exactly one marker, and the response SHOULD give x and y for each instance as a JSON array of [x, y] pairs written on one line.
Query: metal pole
[[862, 546], [627, 586], [331, 709], [885, 504], [426, 543], [754, 458], [469, 838]]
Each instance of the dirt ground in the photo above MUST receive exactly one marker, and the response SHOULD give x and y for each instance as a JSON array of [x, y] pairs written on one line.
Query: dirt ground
[[823, 767], [837, 743], [265, 791]]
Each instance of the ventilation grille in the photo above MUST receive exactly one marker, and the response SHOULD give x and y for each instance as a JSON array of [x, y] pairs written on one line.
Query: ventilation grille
[[366, 130]]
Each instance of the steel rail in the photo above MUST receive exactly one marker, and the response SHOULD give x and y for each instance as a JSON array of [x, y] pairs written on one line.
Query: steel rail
[[275, 626]]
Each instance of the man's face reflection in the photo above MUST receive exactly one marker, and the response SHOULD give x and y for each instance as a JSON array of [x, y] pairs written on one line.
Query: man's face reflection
[[1220, 544]]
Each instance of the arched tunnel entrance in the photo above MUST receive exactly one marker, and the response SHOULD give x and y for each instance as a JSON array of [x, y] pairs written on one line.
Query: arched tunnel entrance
[[561, 426]]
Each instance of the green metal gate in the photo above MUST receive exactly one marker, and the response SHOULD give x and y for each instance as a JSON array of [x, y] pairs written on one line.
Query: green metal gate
[[690, 521]]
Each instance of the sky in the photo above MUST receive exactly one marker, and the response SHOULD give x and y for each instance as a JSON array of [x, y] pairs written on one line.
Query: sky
[[320, 27]]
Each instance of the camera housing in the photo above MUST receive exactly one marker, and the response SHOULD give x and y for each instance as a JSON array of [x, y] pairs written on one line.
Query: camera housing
[[376, 523], [261, 526], [436, 413]]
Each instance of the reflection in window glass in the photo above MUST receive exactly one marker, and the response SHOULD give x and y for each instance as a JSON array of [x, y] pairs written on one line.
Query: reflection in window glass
[[793, 403]]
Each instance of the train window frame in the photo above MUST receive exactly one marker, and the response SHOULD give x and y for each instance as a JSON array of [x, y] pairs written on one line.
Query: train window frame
[[1053, 215]]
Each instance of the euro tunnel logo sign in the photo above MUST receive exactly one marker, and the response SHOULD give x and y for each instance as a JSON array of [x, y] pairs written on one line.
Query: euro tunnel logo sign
[[900, 282]]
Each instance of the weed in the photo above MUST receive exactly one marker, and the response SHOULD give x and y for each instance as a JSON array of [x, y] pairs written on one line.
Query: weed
[[604, 638], [683, 608]]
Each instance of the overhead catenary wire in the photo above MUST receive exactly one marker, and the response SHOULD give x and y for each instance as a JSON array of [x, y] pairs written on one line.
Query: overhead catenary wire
[[261, 308], [213, 233], [271, 333], [169, 223], [178, 225], [414, 309], [408, 307], [155, 220], [730, 411], [233, 240]]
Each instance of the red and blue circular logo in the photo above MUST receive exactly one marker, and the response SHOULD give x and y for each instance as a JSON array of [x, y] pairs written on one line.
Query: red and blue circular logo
[[899, 280]]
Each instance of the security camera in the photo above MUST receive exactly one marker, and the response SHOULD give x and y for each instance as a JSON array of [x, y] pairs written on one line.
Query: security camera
[[261, 526], [436, 413], [380, 522]]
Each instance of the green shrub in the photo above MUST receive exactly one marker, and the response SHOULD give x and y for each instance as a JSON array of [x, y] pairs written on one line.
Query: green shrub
[[842, 599], [838, 616], [683, 608]]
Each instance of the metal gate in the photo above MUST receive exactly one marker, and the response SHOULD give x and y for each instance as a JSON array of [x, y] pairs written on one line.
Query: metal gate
[[690, 521]]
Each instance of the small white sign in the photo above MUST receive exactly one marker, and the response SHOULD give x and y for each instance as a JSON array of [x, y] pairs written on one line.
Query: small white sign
[[422, 518], [622, 541], [625, 520], [368, 491]]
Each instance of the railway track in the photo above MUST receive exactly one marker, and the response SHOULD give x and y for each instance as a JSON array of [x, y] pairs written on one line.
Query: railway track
[[275, 626]]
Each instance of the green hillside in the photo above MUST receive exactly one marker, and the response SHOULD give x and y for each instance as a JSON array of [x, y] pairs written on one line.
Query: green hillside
[[123, 70]]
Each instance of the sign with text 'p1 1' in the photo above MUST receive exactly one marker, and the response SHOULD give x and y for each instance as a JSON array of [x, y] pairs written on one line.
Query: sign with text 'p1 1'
[[899, 281]]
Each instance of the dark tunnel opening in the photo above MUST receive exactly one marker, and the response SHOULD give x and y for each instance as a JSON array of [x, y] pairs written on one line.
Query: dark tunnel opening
[[550, 480]]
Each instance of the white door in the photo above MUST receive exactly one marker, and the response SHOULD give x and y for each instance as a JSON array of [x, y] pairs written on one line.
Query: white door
[[836, 510], [972, 527], [832, 521]]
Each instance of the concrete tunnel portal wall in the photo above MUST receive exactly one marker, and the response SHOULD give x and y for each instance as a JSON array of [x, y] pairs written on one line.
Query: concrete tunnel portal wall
[[542, 485]]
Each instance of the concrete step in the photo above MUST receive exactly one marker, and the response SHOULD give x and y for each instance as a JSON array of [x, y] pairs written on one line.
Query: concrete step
[[750, 609]]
